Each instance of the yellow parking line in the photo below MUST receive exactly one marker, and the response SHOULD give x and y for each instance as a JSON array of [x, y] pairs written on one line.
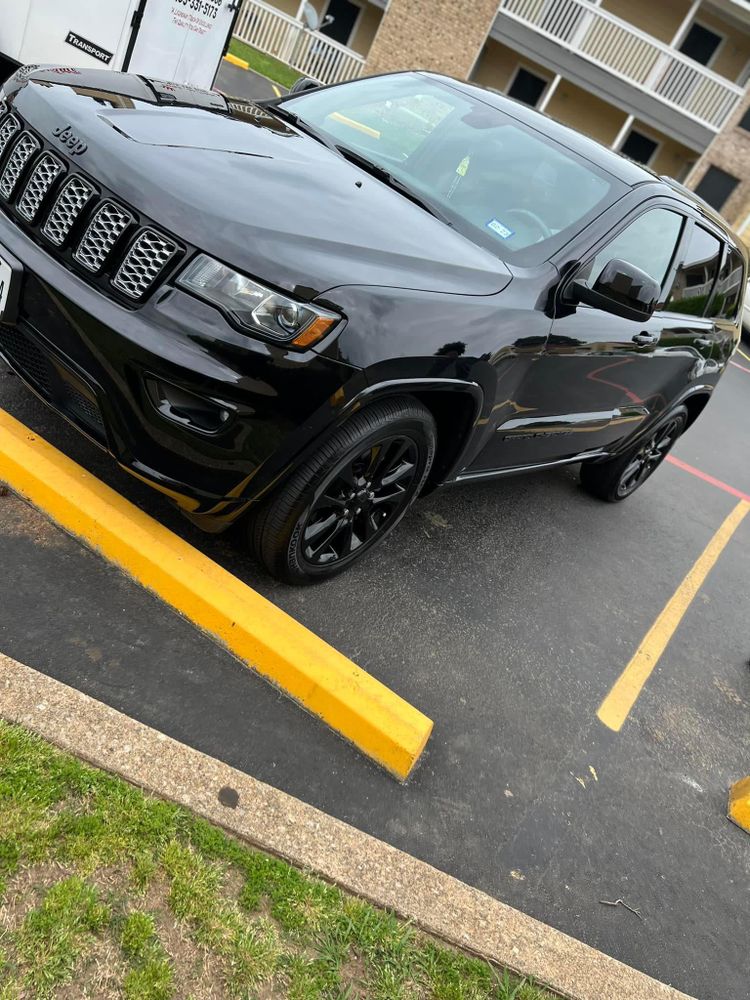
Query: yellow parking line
[[326, 683], [745, 356], [616, 707], [276, 90]]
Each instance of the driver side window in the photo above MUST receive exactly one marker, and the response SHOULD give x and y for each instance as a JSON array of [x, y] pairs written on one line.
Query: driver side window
[[649, 242]]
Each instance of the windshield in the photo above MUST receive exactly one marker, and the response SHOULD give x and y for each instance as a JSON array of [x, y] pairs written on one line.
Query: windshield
[[500, 182]]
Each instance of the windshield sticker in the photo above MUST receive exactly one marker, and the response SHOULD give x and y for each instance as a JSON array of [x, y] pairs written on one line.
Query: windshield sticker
[[502, 231]]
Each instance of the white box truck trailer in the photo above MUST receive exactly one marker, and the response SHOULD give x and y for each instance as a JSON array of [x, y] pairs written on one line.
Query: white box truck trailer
[[179, 40]]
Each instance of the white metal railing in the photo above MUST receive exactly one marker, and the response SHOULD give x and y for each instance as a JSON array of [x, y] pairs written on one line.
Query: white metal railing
[[632, 55], [280, 35]]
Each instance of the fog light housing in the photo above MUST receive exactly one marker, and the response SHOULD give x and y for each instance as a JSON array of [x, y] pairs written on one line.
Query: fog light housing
[[188, 409]]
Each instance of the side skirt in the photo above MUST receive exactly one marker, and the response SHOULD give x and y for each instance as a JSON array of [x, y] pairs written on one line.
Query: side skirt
[[514, 470]]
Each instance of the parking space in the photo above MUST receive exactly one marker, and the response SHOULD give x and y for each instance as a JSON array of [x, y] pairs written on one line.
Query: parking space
[[245, 83], [505, 612]]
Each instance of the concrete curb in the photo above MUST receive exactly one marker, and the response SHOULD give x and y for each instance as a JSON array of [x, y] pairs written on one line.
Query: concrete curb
[[236, 61], [288, 828]]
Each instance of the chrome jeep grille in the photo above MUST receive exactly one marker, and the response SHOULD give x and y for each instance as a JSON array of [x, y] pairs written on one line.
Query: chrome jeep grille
[[48, 168], [25, 147], [70, 202], [119, 252], [146, 258], [8, 129], [106, 227]]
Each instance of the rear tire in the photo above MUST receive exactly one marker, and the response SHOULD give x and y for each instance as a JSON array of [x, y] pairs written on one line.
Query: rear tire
[[349, 495], [620, 477]]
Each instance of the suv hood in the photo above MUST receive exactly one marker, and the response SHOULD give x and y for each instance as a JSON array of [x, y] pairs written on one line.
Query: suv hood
[[230, 178]]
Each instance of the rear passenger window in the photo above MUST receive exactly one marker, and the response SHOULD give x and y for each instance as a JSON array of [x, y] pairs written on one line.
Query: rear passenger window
[[695, 275], [729, 287], [648, 243]]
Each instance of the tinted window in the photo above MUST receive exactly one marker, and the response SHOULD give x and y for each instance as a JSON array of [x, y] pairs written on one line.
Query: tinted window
[[729, 287], [648, 243], [503, 184], [527, 87], [695, 275], [715, 187]]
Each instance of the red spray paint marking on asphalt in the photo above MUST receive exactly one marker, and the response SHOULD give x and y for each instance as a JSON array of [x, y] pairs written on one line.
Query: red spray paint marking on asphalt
[[741, 367], [708, 479]]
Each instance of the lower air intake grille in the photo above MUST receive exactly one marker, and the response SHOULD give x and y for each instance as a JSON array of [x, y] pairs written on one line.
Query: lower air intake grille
[[48, 168], [104, 230], [68, 206], [26, 356], [143, 262], [25, 147]]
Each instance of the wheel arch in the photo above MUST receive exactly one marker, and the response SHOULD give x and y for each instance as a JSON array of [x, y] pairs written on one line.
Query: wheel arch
[[696, 404], [455, 406]]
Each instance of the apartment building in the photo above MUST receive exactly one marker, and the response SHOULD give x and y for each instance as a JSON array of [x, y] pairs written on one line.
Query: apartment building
[[663, 81]]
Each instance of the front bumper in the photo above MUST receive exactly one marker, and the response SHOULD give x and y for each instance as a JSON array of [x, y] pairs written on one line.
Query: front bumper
[[90, 357]]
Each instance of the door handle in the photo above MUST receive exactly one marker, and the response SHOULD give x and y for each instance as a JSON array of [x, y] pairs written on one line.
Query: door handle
[[645, 338]]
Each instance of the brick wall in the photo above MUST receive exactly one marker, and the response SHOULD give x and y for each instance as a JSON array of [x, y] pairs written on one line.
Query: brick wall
[[730, 151], [441, 35]]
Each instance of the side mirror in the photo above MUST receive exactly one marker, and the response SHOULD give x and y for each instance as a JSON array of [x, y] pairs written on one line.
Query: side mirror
[[621, 289], [303, 84]]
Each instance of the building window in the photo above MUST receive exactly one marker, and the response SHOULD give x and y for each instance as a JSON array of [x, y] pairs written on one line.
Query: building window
[[527, 87], [639, 147], [344, 16], [716, 186], [744, 122], [701, 44]]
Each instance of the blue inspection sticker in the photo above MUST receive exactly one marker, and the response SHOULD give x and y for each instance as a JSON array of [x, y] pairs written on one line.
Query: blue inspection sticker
[[502, 231]]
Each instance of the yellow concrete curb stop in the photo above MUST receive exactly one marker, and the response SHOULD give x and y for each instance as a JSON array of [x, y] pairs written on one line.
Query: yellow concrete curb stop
[[236, 61], [739, 804], [364, 711]]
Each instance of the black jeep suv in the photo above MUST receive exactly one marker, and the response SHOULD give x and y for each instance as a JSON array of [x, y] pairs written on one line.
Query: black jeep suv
[[311, 311]]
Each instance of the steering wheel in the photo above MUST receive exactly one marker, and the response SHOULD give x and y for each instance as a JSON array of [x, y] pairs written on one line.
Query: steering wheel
[[532, 217]]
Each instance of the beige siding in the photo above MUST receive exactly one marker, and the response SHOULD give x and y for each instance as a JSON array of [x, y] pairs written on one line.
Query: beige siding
[[364, 31], [586, 112], [291, 6], [660, 18], [734, 52], [672, 158], [497, 65]]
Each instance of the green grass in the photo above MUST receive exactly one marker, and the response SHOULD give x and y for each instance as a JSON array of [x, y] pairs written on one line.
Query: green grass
[[89, 866], [274, 69]]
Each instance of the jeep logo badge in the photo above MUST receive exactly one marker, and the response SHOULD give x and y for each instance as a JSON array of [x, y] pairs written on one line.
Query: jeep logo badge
[[74, 144]]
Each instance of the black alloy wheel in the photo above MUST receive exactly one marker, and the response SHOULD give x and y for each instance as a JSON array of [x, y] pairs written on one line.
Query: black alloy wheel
[[620, 477], [347, 496], [359, 499]]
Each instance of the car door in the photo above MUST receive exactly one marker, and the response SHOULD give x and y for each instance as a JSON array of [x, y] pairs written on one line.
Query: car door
[[601, 376], [724, 309]]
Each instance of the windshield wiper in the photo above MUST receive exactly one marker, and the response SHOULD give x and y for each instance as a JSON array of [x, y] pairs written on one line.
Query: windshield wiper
[[294, 119], [384, 175]]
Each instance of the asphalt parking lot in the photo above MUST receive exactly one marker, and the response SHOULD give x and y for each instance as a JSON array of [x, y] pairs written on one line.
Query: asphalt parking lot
[[505, 612]]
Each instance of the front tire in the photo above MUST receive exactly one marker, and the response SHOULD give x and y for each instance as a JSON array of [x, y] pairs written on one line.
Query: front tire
[[620, 477], [348, 495]]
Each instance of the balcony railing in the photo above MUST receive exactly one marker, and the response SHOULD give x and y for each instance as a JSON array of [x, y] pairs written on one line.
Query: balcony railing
[[631, 54], [286, 38]]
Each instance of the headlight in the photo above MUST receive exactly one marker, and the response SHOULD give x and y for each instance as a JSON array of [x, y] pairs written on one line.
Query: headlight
[[254, 306]]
